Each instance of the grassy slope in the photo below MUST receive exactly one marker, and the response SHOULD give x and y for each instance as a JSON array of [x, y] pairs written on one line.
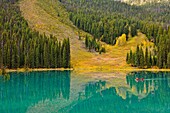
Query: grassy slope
[[42, 15]]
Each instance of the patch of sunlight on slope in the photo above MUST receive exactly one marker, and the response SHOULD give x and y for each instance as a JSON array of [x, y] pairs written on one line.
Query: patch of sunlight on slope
[[115, 56]]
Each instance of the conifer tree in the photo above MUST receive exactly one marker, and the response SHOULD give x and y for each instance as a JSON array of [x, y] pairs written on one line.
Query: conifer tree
[[1, 58], [59, 63], [13, 63], [160, 59], [168, 60], [127, 58], [87, 41], [146, 57], [68, 58], [154, 61], [141, 58], [149, 64], [131, 57], [37, 55], [56, 54], [137, 57]]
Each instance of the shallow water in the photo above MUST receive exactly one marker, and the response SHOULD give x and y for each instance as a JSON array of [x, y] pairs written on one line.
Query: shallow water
[[67, 92]]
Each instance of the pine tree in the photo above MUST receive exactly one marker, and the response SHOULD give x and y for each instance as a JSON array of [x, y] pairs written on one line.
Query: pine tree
[[63, 53], [12, 59], [9, 57], [37, 55], [1, 58], [59, 63], [45, 55], [127, 58], [154, 61], [87, 41], [56, 52], [18, 56], [68, 54], [133, 30], [131, 57], [31, 57], [146, 58], [90, 45], [160, 59], [141, 58], [137, 57], [168, 60], [149, 64]]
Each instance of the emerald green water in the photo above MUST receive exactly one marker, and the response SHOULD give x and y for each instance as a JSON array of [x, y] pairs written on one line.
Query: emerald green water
[[66, 92]]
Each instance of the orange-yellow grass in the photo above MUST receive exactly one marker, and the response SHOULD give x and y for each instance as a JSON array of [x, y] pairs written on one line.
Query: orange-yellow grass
[[115, 56]]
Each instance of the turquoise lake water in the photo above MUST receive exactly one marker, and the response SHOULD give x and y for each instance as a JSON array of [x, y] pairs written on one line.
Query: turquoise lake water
[[66, 92]]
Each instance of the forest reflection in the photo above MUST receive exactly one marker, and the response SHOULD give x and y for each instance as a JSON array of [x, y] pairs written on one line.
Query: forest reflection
[[91, 89], [27, 89], [151, 95], [150, 83], [20, 91]]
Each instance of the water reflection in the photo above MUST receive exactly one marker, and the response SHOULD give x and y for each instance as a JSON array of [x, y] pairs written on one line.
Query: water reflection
[[6, 77], [43, 92], [151, 95], [91, 89], [23, 90], [151, 82]]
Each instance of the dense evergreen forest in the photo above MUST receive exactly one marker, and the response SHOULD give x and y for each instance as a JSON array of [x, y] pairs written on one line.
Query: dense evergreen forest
[[21, 47], [108, 19]]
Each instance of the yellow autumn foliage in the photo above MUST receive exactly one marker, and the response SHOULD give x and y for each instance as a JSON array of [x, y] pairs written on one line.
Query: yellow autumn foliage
[[121, 40]]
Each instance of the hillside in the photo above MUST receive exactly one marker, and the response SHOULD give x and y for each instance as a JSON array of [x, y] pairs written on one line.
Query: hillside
[[46, 19], [108, 20]]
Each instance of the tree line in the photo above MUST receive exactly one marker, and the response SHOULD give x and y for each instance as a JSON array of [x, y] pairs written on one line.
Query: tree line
[[107, 20], [93, 45], [21, 47], [141, 58]]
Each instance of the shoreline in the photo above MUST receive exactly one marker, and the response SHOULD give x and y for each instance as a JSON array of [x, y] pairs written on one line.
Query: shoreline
[[80, 70], [119, 70], [37, 69]]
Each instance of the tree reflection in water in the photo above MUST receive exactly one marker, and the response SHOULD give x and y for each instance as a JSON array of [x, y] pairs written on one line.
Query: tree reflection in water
[[149, 96], [23, 90]]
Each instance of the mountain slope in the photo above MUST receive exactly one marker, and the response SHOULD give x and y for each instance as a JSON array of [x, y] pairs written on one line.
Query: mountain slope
[[51, 18], [42, 16]]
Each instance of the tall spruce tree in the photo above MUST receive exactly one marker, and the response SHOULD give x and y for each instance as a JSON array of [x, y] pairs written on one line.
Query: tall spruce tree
[[131, 56], [87, 41], [168, 60], [127, 58], [37, 57], [141, 58], [146, 58], [149, 64], [68, 54], [133, 59], [137, 58], [1, 57]]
